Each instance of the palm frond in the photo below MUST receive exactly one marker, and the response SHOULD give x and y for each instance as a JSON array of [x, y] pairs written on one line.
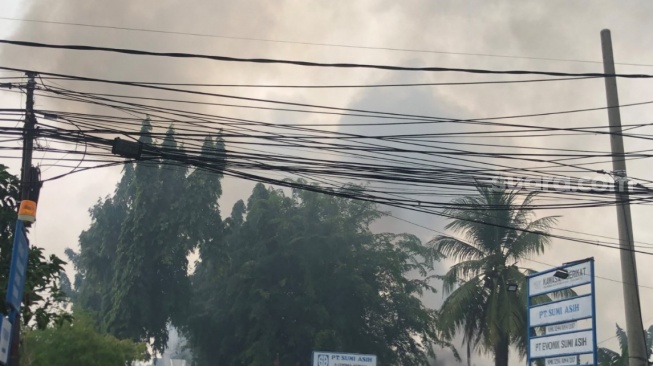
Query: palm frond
[[623, 340], [563, 294], [518, 319], [608, 357], [456, 249], [649, 340], [532, 239], [460, 272], [525, 211], [462, 309]]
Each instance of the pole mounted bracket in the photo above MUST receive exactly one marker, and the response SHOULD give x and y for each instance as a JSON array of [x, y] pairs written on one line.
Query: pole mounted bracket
[[127, 149], [620, 173]]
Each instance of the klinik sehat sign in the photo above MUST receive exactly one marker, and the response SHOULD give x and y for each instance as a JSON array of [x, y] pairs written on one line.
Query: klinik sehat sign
[[546, 282], [563, 341]]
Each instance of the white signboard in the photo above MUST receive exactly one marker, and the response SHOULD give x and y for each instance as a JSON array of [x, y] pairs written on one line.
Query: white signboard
[[342, 359], [5, 337], [561, 328], [579, 274], [562, 361], [561, 311], [562, 344]]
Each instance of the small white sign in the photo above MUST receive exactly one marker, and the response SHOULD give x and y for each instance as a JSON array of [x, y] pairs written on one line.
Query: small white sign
[[562, 361], [562, 344], [561, 328], [342, 359], [579, 274], [561, 311], [5, 337]]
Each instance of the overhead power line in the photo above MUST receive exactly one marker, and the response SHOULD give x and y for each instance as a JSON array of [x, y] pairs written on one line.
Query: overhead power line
[[366, 113], [406, 177], [338, 45], [347, 135], [352, 86], [317, 64]]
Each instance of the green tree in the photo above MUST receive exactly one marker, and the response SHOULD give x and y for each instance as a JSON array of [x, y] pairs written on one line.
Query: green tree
[[78, 343], [291, 274], [133, 260], [94, 264], [608, 357], [150, 269], [496, 233], [204, 190], [43, 300]]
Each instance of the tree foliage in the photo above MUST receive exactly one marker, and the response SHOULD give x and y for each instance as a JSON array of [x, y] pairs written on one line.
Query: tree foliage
[[43, 299], [608, 357], [292, 274], [132, 264], [495, 233], [78, 343]]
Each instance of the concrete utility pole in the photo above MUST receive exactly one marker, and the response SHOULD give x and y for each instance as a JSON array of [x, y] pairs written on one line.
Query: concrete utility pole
[[27, 184], [28, 139], [636, 337]]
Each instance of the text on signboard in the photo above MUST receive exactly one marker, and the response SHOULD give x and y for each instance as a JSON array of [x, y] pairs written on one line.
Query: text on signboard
[[572, 274], [565, 343], [560, 310]]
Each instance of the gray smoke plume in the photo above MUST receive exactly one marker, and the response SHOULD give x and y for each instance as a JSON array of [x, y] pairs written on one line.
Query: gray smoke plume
[[557, 30]]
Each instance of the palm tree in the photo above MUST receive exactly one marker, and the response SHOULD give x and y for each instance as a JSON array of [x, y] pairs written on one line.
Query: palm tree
[[608, 357], [495, 233]]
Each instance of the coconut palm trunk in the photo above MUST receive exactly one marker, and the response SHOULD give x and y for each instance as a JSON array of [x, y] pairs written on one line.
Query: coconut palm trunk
[[502, 351]]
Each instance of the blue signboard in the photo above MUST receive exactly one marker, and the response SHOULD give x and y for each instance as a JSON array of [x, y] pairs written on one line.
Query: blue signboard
[[18, 269], [560, 341]]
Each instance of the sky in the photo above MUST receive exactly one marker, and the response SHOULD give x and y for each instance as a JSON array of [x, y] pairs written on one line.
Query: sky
[[535, 34]]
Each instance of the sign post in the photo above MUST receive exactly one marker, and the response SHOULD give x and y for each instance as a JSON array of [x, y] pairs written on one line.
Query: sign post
[[563, 341], [15, 287]]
